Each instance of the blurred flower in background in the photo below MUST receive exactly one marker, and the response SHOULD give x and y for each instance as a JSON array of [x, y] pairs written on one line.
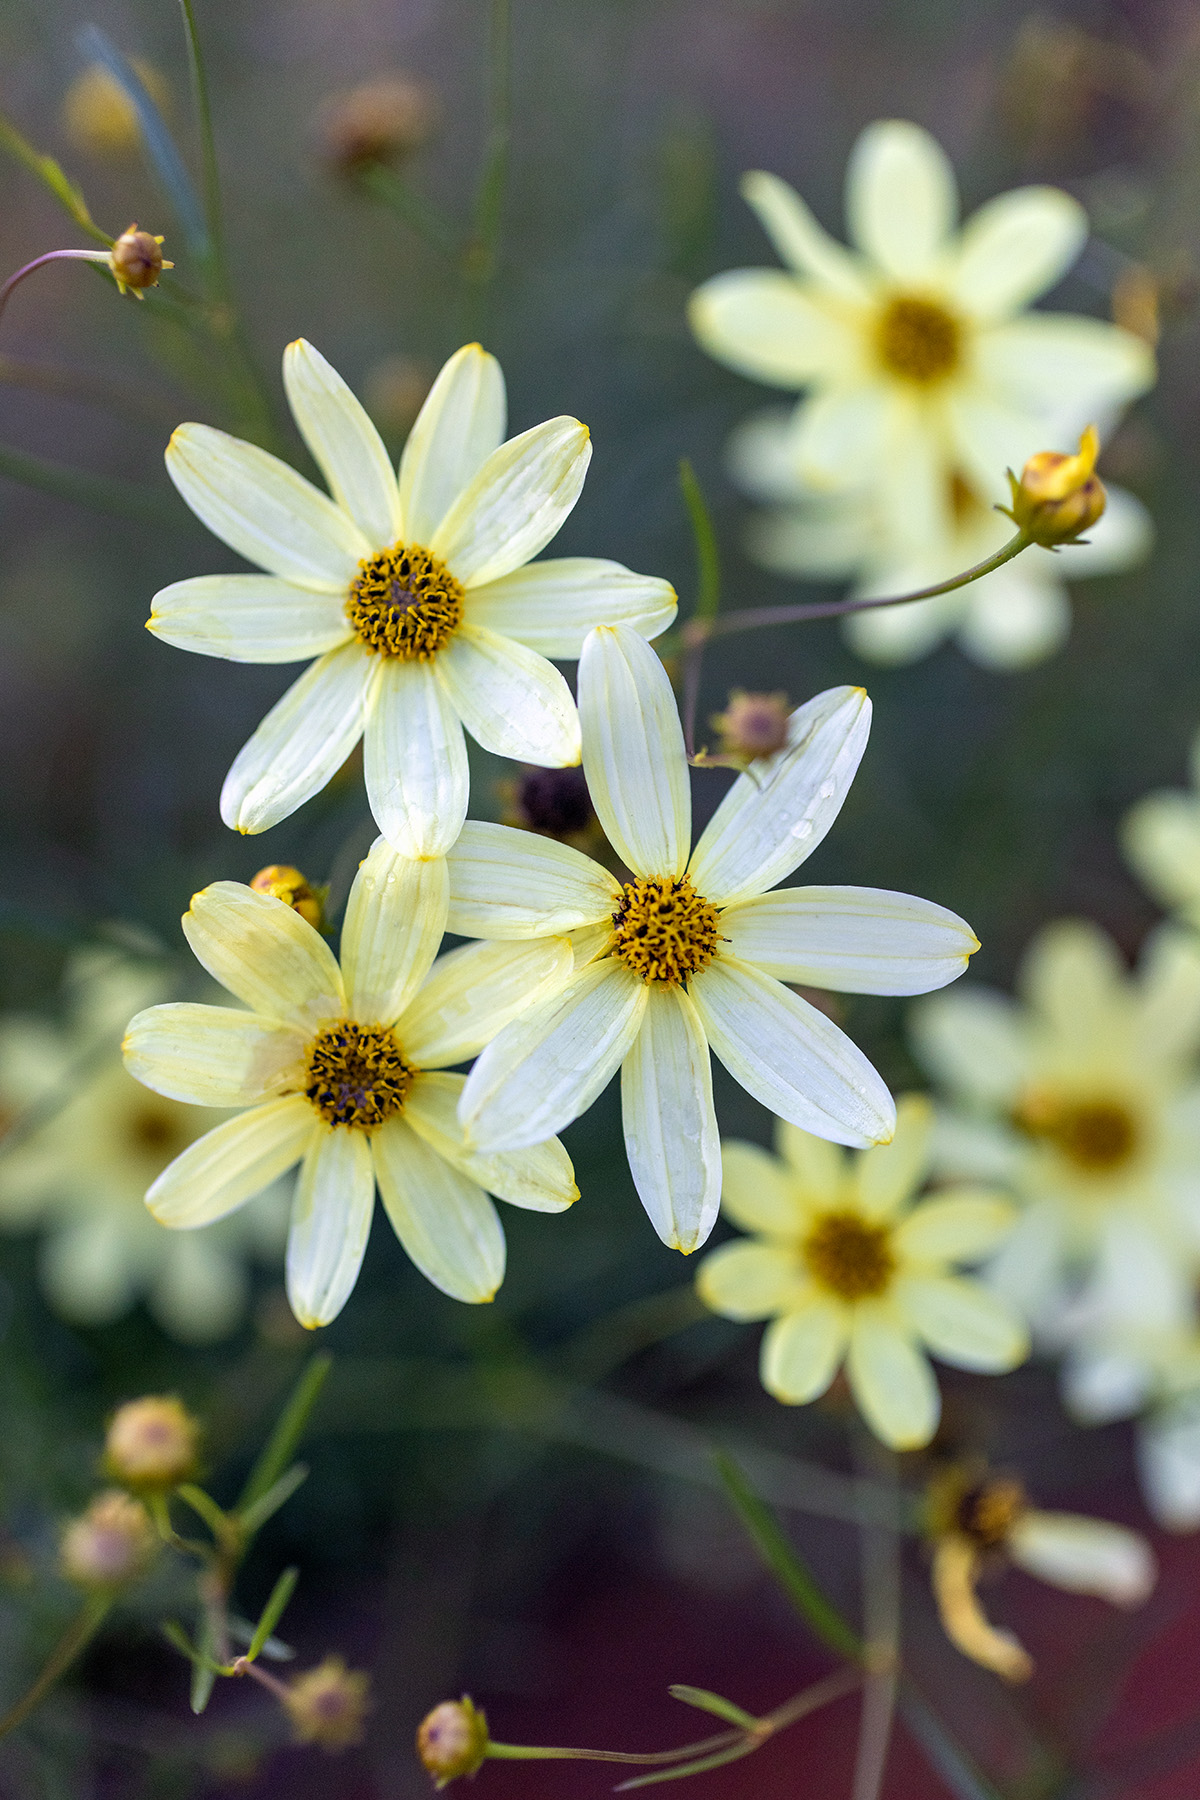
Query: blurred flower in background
[[1161, 837], [98, 115]]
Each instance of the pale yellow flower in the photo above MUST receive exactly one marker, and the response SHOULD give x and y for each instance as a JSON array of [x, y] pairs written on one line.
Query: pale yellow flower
[[1161, 836]]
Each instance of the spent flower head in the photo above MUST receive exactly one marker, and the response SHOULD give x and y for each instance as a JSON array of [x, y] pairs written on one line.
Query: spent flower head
[[151, 1444], [109, 1545], [452, 1740], [328, 1705]]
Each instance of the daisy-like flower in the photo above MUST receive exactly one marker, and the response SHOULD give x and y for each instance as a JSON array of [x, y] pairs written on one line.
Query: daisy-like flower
[[341, 1069], [849, 1270], [1161, 836], [1008, 620], [413, 595], [978, 1521], [1083, 1098], [692, 950], [918, 356], [80, 1177]]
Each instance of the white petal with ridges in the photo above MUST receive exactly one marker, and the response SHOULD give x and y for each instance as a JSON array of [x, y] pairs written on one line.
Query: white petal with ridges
[[1014, 248], [759, 1192], [751, 1281], [963, 1322], [633, 752], [457, 429], [331, 1222], [265, 953], [857, 940], [1085, 1556], [515, 503], [444, 1220], [475, 991], [344, 443], [393, 928], [769, 326], [891, 1380], [800, 241], [551, 606], [232, 1163], [550, 1064], [801, 1352], [248, 618], [302, 742], [261, 508], [770, 821], [790, 1056], [538, 1179], [510, 699], [671, 1135], [415, 760], [506, 883], [901, 198], [213, 1055]]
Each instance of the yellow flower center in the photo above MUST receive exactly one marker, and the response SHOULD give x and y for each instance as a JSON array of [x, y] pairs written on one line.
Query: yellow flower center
[[917, 339], [356, 1075], [849, 1257], [666, 931], [153, 1131], [404, 602], [1098, 1136]]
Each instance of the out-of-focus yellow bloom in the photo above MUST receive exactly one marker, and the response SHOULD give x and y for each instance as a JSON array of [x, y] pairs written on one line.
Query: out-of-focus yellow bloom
[[99, 117], [452, 1740], [328, 1705], [109, 1545], [1161, 838], [286, 883], [151, 1444]]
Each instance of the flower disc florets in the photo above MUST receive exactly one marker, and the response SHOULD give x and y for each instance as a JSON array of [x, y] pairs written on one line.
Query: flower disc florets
[[1098, 1135], [356, 1075], [849, 1256], [666, 931], [404, 602], [918, 339], [328, 1705]]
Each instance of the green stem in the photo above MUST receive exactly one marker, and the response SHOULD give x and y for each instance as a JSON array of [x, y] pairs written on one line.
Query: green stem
[[552, 1753], [211, 175], [708, 562], [97, 491], [393, 191], [482, 252], [70, 1645]]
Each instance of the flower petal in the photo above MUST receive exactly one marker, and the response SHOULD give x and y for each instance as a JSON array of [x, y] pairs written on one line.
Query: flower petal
[[302, 742], [213, 1055], [344, 443], [265, 953], [85, 1270], [1014, 248], [671, 1135], [1161, 839], [759, 1192], [515, 503], [331, 1222], [892, 1381], [393, 929], [1085, 1556], [821, 1170], [232, 1163], [842, 434], [510, 699], [550, 1064], [506, 883], [790, 1056], [751, 1281], [857, 940], [802, 1350], [445, 1221], [1078, 368], [1072, 974], [770, 821], [1166, 1023], [248, 618], [1015, 618], [955, 1226], [261, 508], [901, 198], [633, 751], [974, 1041], [551, 606], [769, 326], [475, 991], [1168, 1455], [201, 1290], [800, 241], [963, 1322], [890, 1174], [456, 430], [415, 760], [539, 1178]]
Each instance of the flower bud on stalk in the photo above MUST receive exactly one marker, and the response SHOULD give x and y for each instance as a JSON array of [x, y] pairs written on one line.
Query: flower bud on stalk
[[112, 1543], [137, 261], [753, 725], [151, 1444], [1058, 496], [452, 1740], [284, 882]]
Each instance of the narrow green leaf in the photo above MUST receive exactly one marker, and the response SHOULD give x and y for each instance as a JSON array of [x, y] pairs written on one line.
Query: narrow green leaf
[[174, 1633], [206, 1508], [704, 537], [272, 1612], [280, 1447], [273, 1648], [48, 172], [256, 1516], [785, 1564], [712, 1703], [204, 1665]]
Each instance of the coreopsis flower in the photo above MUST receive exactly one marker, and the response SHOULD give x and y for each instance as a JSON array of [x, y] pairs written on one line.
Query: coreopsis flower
[[151, 1444], [81, 1175], [341, 1069], [691, 951], [109, 1545], [978, 1521], [328, 1705], [1010, 619], [919, 358], [1161, 836], [1083, 1098], [852, 1269], [413, 595]]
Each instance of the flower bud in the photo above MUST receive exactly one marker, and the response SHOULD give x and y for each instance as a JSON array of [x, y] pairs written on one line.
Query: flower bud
[[286, 883], [1058, 497], [112, 1543], [553, 802], [136, 260], [328, 1705], [378, 121], [752, 725], [452, 1740], [151, 1444]]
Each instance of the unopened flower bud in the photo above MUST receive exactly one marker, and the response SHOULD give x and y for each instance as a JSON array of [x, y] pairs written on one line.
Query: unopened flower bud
[[452, 1740], [553, 802], [752, 725], [286, 883], [1058, 496], [379, 121], [329, 1704], [112, 1543], [136, 260], [98, 115], [151, 1444]]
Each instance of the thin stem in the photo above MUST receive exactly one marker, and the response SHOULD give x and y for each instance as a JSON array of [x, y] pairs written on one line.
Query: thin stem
[[553, 1753], [147, 506], [880, 1552], [243, 1666], [482, 252], [211, 174], [708, 595], [96, 256], [70, 1645], [393, 191]]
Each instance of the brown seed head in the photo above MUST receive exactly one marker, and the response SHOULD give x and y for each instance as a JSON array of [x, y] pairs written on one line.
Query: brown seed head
[[328, 1705], [452, 1740], [151, 1444], [112, 1543]]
